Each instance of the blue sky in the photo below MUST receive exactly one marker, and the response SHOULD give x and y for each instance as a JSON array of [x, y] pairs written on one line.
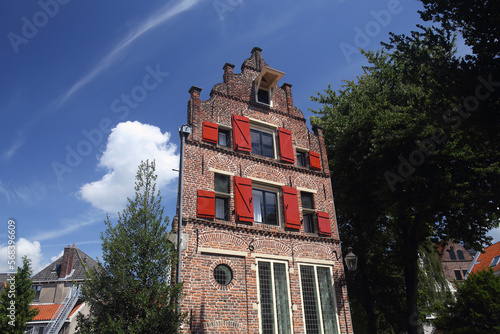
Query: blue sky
[[91, 88]]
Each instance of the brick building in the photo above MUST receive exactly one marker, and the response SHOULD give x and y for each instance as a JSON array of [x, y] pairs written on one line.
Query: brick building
[[259, 224]]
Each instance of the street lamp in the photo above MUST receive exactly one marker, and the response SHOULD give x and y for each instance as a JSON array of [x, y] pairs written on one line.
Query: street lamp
[[351, 262]]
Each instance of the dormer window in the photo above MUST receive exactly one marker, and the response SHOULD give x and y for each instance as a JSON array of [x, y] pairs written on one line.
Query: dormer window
[[264, 85]]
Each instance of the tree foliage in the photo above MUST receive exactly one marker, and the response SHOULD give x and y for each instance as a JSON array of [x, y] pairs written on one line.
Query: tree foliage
[[476, 309], [15, 300], [403, 171], [131, 291]]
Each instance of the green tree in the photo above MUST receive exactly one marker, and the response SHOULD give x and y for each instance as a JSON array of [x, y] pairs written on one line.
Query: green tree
[[400, 171], [476, 309], [131, 291], [15, 300]]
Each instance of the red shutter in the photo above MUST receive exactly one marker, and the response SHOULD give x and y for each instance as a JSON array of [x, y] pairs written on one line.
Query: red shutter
[[210, 132], [241, 134], [286, 147], [243, 199], [206, 204], [291, 205], [324, 223], [314, 161]]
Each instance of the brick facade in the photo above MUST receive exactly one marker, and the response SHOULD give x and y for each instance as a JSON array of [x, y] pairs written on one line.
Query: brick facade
[[242, 245]]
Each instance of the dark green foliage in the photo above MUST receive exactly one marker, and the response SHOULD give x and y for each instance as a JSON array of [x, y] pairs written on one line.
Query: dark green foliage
[[131, 291], [477, 307], [22, 296], [374, 127]]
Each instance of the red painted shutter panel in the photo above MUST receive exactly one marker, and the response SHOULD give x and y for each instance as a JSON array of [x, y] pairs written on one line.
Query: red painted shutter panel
[[241, 133], [314, 160], [243, 199], [291, 205], [286, 147], [210, 132], [324, 223], [206, 204]]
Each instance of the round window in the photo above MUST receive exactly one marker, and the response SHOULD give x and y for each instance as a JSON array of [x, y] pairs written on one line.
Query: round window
[[223, 274]]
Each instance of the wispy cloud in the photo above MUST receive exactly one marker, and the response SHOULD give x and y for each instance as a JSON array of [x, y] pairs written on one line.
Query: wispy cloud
[[13, 148], [161, 16], [70, 225], [29, 194]]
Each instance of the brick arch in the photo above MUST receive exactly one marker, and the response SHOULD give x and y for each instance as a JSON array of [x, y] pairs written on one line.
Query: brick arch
[[269, 118], [312, 251], [263, 172], [271, 247], [212, 239], [304, 181], [221, 162]]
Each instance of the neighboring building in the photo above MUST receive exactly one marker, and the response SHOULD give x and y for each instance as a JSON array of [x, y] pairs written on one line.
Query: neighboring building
[[259, 228], [489, 259], [456, 261], [57, 294]]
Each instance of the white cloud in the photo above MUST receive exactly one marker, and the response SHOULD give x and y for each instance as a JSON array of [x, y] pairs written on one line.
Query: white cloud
[[161, 16], [24, 247], [52, 259], [495, 233], [130, 143]]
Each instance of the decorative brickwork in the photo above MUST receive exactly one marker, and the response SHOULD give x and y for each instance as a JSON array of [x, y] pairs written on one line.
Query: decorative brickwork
[[262, 238]]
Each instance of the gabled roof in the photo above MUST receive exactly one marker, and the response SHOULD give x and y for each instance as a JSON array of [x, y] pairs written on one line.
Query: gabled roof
[[484, 259], [80, 265], [47, 311]]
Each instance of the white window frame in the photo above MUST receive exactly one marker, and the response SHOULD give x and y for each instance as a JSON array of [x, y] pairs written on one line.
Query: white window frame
[[320, 313], [265, 129], [310, 211], [287, 270], [270, 187]]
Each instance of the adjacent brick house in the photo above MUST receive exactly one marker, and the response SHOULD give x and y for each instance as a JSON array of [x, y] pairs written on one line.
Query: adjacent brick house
[[259, 221], [455, 260]]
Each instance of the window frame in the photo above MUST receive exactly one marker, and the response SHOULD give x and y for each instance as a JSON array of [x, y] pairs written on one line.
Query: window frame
[[309, 212], [495, 261], [273, 292], [263, 130], [458, 274], [224, 196], [37, 291], [304, 154], [318, 297], [267, 189], [452, 255], [227, 131]]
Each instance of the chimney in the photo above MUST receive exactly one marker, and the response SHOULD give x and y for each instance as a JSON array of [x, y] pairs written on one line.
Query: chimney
[[228, 71], [67, 261]]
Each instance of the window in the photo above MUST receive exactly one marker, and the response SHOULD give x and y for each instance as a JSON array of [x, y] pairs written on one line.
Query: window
[[452, 255], [262, 142], [308, 211], [460, 255], [265, 206], [222, 195], [38, 290], [318, 299], [223, 274], [464, 272], [224, 139], [301, 158], [458, 275], [263, 96], [495, 261], [275, 315]]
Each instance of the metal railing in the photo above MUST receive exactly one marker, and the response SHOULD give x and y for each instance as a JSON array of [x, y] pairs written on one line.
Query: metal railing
[[63, 311]]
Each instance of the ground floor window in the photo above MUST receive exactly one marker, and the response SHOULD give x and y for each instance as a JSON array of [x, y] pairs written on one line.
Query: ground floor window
[[318, 300], [274, 292]]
